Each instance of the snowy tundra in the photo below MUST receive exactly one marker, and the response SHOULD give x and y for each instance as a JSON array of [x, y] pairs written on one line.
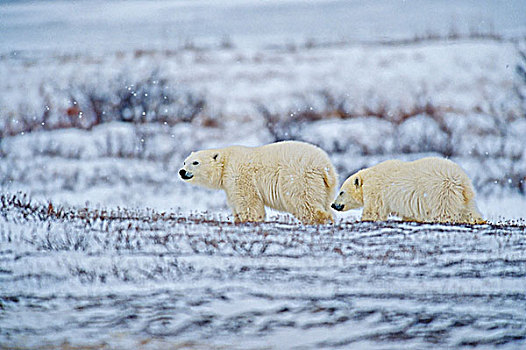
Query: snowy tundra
[[103, 246]]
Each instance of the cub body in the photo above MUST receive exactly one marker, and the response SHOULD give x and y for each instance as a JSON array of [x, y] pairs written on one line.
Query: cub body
[[425, 190]]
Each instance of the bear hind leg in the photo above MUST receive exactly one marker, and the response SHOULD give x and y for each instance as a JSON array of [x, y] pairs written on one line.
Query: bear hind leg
[[308, 199], [310, 215], [321, 217], [471, 215]]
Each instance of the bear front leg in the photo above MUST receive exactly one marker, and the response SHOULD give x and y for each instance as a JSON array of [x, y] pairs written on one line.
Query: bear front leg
[[246, 207], [250, 214]]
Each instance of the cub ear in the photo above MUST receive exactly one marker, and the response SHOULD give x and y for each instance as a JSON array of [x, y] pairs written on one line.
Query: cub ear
[[215, 156]]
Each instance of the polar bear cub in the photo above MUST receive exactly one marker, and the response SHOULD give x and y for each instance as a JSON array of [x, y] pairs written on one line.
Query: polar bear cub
[[425, 190], [290, 176]]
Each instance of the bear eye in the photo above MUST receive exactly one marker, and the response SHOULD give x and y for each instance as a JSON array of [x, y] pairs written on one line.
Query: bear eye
[[356, 182], [341, 193], [195, 163]]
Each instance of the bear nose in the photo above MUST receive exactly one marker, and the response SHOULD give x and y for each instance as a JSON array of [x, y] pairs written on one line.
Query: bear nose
[[338, 207], [185, 175]]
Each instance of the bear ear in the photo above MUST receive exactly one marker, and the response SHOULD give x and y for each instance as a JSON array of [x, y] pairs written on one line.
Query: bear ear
[[358, 182], [215, 156]]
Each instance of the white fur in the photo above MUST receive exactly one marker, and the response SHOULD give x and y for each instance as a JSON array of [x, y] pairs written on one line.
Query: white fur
[[426, 190], [290, 176]]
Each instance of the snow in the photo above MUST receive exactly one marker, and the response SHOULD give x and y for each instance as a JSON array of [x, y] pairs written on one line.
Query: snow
[[101, 25], [101, 243], [84, 278], [235, 82]]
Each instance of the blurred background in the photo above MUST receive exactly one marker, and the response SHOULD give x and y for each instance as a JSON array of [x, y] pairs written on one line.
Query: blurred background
[[100, 101]]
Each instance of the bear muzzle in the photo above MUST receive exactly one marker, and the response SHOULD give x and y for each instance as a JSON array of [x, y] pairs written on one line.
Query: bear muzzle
[[338, 207], [185, 175]]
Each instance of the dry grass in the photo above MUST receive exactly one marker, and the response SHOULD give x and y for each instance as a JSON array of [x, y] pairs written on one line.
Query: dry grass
[[15, 207], [151, 100]]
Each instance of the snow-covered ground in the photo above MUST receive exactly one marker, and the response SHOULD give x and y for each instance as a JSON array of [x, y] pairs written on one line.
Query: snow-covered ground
[[143, 279], [100, 102]]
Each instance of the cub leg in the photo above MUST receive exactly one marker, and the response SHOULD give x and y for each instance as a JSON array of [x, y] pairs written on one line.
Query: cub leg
[[373, 210]]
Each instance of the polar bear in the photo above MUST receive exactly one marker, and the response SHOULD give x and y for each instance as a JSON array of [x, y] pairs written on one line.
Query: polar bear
[[290, 176], [425, 190]]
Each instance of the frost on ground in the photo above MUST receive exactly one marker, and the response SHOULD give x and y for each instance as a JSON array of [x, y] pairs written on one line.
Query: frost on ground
[[122, 278]]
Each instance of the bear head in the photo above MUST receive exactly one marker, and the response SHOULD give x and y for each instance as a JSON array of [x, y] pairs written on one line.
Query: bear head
[[351, 194], [203, 168]]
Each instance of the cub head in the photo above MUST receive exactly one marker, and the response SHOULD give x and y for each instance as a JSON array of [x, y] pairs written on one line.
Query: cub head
[[203, 168], [351, 194]]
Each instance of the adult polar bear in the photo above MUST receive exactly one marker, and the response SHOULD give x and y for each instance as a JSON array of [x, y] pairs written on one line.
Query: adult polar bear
[[425, 190], [290, 176]]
